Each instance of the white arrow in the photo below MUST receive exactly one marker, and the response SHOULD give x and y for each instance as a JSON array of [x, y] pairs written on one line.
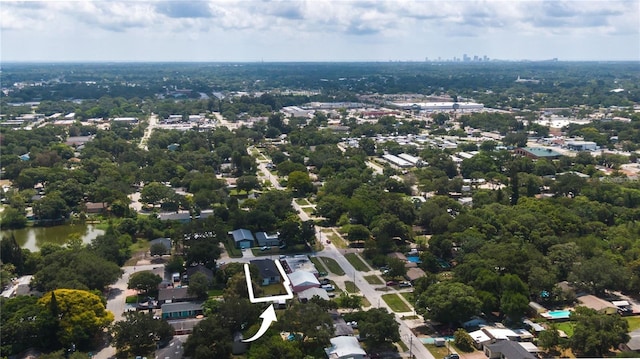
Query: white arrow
[[268, 316]]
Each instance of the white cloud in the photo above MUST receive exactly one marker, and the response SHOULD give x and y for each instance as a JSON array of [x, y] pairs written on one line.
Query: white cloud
[[350, 26]]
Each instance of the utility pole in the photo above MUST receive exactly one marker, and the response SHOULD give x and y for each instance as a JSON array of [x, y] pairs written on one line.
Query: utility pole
[[411, 346]]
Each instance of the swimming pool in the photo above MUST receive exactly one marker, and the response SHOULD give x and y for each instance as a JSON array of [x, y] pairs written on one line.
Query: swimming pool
[[557, 314], [414, 259]]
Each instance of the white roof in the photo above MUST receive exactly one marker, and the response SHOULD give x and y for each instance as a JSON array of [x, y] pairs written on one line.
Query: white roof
[[303, 278], [480, 336], [312, 292], [530, 347], [620, 303], [344, 347]]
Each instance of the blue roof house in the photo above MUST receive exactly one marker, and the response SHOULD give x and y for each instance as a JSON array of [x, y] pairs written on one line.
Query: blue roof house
[[243, 238], [265, 239]]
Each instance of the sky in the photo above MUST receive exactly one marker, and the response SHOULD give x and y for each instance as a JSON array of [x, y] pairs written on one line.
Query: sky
[[318, 30]]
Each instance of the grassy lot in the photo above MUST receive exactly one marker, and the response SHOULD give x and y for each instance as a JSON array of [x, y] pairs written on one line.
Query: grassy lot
[[395, 303], [215, 292], [373, 279], [319, 265], [351, 287], [308, 210], [365, 302], [232, 251], [408, 296], [357, 262], [272, 289], [332, 265], [336, 239], [441, 352], [567, 327], [634, 323], [132, 299], [302, 201], [403, 346]]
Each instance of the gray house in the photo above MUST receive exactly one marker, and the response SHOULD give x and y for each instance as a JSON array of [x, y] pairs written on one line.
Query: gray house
[[265, 239], [269, 273], [242, 238]]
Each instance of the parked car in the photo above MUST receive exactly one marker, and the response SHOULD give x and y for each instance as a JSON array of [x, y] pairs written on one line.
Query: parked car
[[328, 287], [405, 284], [452, 356], [265, 248], [391, 283], [325, 281]]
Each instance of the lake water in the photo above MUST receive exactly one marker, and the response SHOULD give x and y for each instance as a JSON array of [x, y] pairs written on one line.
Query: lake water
[[33, 237]]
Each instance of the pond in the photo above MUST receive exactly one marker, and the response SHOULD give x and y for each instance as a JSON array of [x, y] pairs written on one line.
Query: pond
[[33, 237]]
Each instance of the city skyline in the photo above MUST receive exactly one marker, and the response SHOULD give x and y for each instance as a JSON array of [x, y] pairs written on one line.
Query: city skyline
[[314, 31]]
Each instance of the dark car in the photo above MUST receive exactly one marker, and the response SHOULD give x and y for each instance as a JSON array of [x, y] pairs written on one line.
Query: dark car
[[452, 356], [391, 283]]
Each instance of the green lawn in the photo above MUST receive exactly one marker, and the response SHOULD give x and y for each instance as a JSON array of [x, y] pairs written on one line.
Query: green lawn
[[634, 323], [357, 262], [332, 265], [408, 296], [302, 201], [215, 292], [351, 287], [319, 265], [395, 303], [373, 279], [567, 327], [232, 251], [336, 239], [308, 210]]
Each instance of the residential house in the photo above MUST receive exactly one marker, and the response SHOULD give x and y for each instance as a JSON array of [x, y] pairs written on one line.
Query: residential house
[[96, 208], [507, 349], [537, 152], [265, 239], [269, 273], [197, 269], [181, 310], [175, 295], [345, 347], [414, 273], [182, 217], [634, 342], [302, 280], [307, 294], [242, 238]]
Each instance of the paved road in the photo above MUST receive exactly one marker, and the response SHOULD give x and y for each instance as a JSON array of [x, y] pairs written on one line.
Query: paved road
[[174, 350], [116, 302], [366, 289], [375, 298], [153, 123]]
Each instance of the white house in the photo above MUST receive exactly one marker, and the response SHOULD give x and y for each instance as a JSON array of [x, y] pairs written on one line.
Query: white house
[[345, 347]]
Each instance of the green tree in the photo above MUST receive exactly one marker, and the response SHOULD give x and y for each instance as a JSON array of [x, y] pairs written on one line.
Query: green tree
[[154, 193], [300, 182], [310, 320], [358, 232], [12, 218], [273, 347], [51, 207], [145, 281], [378, 327], [397, 267], [139, 334], [81, 269], [595, 334], [450, 302], [598, 274], [82, 316], [463, 340], [550, 338], [247, 183], [210, 339], [199, 284], [158, 249], [25, 323]]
